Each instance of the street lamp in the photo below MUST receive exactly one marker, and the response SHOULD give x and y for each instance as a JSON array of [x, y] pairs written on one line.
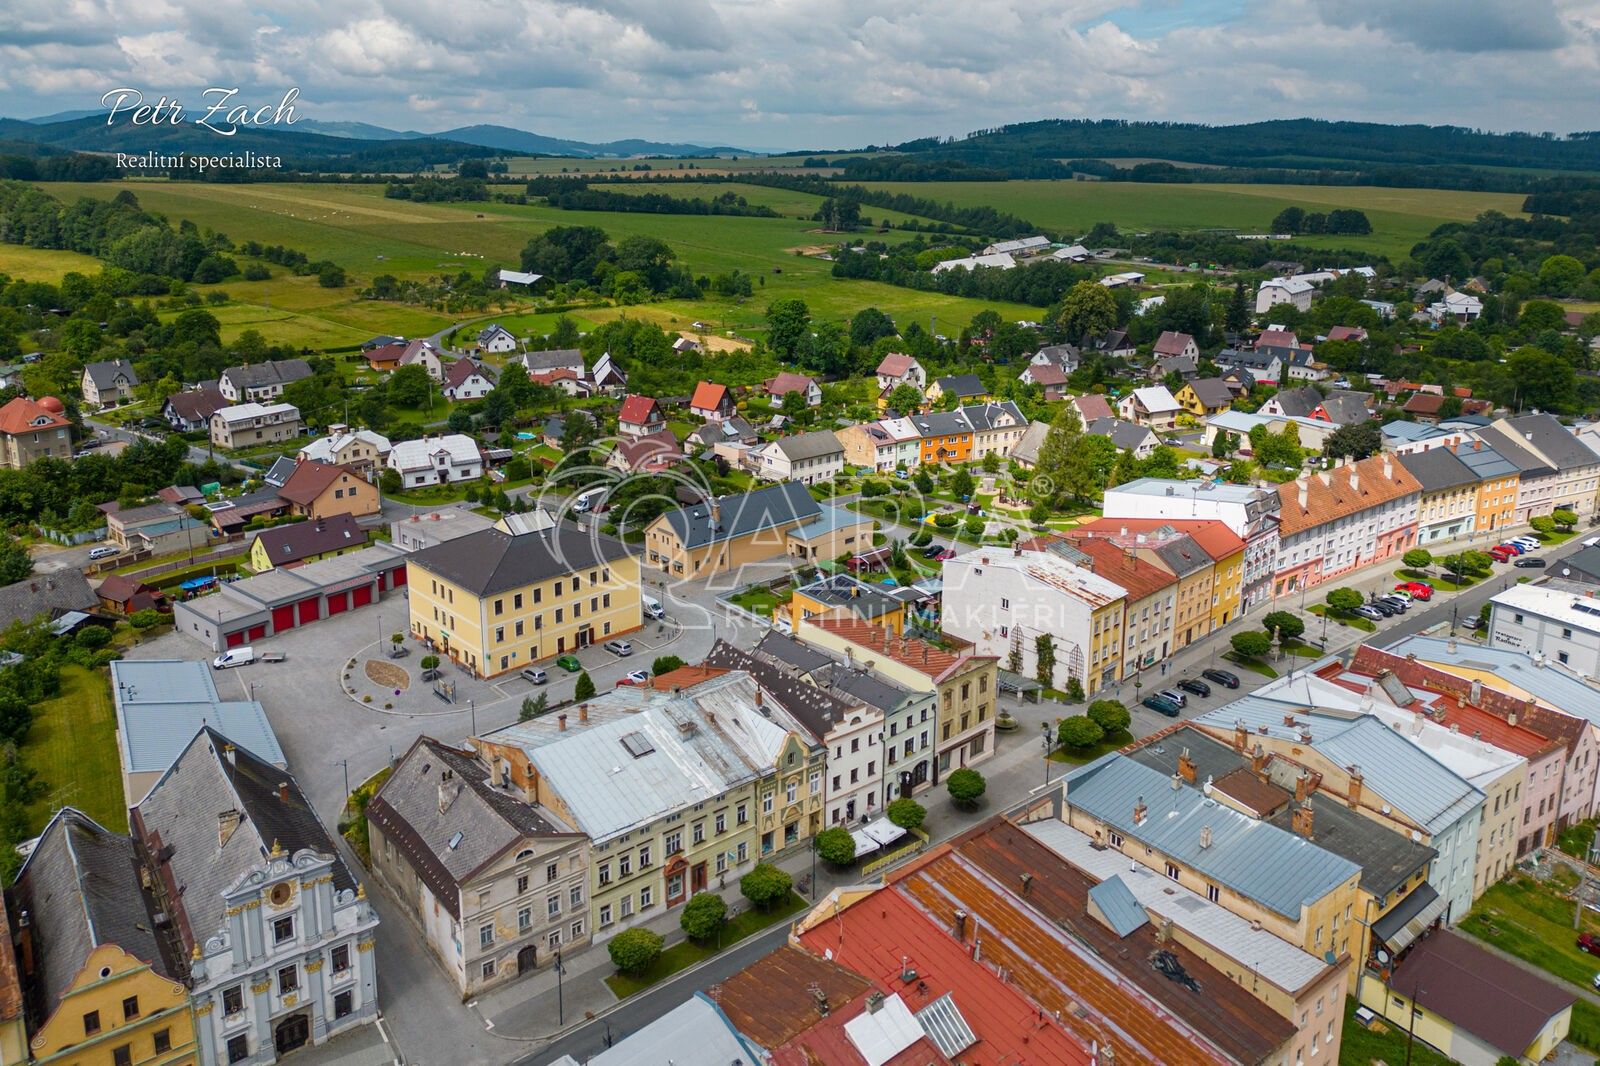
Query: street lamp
[[1044, 740], [561, 1007]]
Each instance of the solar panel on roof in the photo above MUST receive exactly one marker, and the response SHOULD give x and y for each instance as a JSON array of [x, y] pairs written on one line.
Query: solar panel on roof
[[638, 744]]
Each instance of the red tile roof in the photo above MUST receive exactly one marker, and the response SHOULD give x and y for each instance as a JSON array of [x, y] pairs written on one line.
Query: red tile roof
[[385, 353], [772, 1001], [895, 364], [1347, 333], [883, 934], [708, 395], [1140, 578], [684, 677], [1424, 403], [1215, 538], [787, 382], [1092, 405], [1329, 495], [638, 410], [1281, 338], [22, 415], [1046, 374], [651, 452], [1171, 343], [311, 479], [914, 652]]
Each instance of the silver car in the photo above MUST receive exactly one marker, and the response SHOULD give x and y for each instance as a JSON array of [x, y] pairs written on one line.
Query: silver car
[[618, 647]]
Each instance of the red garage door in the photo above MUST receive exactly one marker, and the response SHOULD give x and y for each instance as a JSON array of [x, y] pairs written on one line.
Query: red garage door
[[258, 632], [337, 603], [308, 611], [361, 595], [234, 640], [397, 577], [283, 618]]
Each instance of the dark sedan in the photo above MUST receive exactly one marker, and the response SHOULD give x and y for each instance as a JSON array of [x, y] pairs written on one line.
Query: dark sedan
[[1221, 677], [1161, 705], [1194, 688]]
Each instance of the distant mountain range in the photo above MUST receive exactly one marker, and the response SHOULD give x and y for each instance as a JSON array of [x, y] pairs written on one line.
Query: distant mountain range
[[74, 130]]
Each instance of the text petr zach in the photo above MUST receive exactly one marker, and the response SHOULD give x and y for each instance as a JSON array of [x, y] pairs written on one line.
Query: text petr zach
[[223, 115]]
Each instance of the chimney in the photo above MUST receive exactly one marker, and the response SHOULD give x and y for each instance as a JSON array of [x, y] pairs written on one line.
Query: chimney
[[1258, 759], [1177, 782], [716, 512], [1355, 479], [561, 721], [448, 791], [961, 926], [874, 1002], [1305, 734], [283, 792], [1475, 693], [583, 712], [1388, 464], [1186, 768], [1303, 491], [761, 696], [227, 822], [1205, 836], [1240, 736], [1476, 444], [1355, 786], [1302, 786], [1301, 820], [25, 942], [1027, 882], [1139, 811], [821, 999]]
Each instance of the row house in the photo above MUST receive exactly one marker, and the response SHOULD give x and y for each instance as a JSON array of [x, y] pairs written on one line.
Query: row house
[[1163, 541], [261, 381], [1498, 484], [885, 446], [1150, 609], [1556, 468], [1252, 514], [1448, 506], [1344, 518]]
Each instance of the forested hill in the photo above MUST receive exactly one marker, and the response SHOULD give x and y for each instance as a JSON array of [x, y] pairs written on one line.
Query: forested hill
[[1286, 143]]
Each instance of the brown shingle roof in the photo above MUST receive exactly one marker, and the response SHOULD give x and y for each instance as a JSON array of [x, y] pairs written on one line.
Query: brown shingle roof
[[788, 382], [311, 479], [1503, 1005], [1329, 495], [1424, 403], [302, 540]]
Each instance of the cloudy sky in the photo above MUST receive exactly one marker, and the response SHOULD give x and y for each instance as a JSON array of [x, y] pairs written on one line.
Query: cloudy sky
[[820, 73]]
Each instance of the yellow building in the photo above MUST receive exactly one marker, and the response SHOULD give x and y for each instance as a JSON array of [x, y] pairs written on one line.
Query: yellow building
[[852, 597], [102, 989], [1204, 397], [728, 532], [494, 602], [13, 1022]]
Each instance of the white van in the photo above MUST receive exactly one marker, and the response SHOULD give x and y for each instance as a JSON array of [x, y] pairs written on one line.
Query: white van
[[652, 607], [588, 501], [234, 657]]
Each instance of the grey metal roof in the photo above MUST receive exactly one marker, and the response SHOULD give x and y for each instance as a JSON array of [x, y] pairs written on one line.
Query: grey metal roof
[[812, 445], [162, 703], [81, 889], [796, 653], [492, 560], [817, 710], [1183, 556], [1127, 436], [1115, 900], [941, 1020], [1002, 413], [741, 515], [1554, 441], [1485, 461], [695, 1031], [1299, 402], [1406, 776], [1346, 408], [1279, 870], [868, 687], [1513, 449], [862, 599], [1212, 392], [258, 375], [104, 373], [1550, 683], [180, 813], [1438, 469], [1027, 449], [281, 471], [962, 385]]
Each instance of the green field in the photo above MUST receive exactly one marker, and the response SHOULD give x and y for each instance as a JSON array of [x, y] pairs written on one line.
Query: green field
[[528, 165], [801, 205], [1400, 217], [43, 264], [72, 746]]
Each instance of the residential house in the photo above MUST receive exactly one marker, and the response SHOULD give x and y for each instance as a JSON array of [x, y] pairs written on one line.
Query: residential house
[[1171, 345], [967, 388], [788, 381], [496, 338], [1025, 453], [436, 460], [1341, 519], [1127, 436], [1181, 582], [261, 381], [101, 985], [1348, 333], [712, 402], [360, 449], [1008, 603], [1164, 540], [522, 278], [423, 353], [435, 527], [1537, 478], [386, 355], [808, 458], [1090, 406], [684, 345], [1577, 466], [126, 596], [231, 514], [47, 595], [469, 379], [730, 432], [898, 368], [640, 416], [1294, 403], [729, 532], [159, 528], [303, 542], [1343, 407], [1456, 307], [1262, 365], [1552, 624], [1424, 407], [278, 934], [1275, 291], [322, 490], [966, 683], [996, 261], [498, 885], [246, 425], [1052, 379], [848, 595], [554, 359], [1239, 381], [1152, 406], [190, 411], [607, 377], [699, 783], [493, 603], [1115, 344], [1448, 507], [996, 428], [1204, 397], [883, 446], [32, 430], [650, 454], [1253, 514], [109, 382]]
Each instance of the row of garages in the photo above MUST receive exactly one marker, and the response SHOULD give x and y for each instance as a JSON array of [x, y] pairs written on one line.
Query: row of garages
[[253, 608]]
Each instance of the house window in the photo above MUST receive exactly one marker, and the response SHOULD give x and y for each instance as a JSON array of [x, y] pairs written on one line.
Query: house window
[[238, 1048], [1212, 893], [522, 883], [744, 850], [163, 1041], [766, 803], [742, 815], [674, 842], [344, 1004], [575, 897], [1172, 871], [644, 856], [232, 1000], [486, 935], [722, 822], [130, 1008], [605, 873], [552, 871], [791, 791], [577, 929], [552, 906], [341, 958], [91, 1023], [488, 968], [605, 915], [624, 865], [646, 897], [288, 979], [283, 930]]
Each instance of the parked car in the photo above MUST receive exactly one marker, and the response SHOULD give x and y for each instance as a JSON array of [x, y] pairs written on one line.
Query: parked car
[[1530, 562], [536, 675], [1221, 677], [1527, 543], [947, 555], [619, 648], [1420, 590], [105, 551], [1383, 608], [1162, 705], [1399, 603], [933, 551], [1512, 549], [88, 444], [1501, 553], [234, 657], [1175, 696], [569, 663], [634, 677], [1198, 688], [1371, 613], [1589, 942]]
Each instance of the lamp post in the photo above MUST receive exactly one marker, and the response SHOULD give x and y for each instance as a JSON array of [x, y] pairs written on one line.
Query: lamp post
[[1044, 740], [561, 1006]]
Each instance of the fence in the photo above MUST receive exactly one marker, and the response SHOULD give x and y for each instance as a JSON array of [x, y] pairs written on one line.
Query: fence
[[897, 856], [219, 554]]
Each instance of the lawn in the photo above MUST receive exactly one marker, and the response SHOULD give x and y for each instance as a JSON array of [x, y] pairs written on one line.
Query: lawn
[[1362, 1045], [688, 952], [1253, 665], [72, 745], [44, 264], [454, 492], [1078, 756], [760, 601], [1576, 840], [1439, 582], [1532, 921], [1354, 621]]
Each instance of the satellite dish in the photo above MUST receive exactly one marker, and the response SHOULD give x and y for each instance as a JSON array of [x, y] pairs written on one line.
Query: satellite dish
[[1382, 955], [1566, 571]]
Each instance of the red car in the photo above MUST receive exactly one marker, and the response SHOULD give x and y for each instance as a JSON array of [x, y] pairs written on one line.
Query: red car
[[1419, 589], [1589, 942], [1502, 552], [634, 677]]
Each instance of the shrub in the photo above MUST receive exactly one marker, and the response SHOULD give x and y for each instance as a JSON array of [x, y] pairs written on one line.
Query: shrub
[[947, 520], [703, 915], [665, 664], [145, 619], [389, 481], [1110, 715], [907, 813], [765, 885], [1417, 558], [975, 526], [1251, 645], [1079, 731], [635, 950], [1074, 690], [836, 845], [92, 637], [966, 787], [584, 689]]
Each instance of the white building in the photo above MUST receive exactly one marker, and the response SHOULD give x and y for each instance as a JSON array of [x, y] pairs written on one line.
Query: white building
[[1275, 291], [246, 424], [436, 460], [1153, 406], [898, 368], [360, 448], [1550, 625], [997, 261], [1003, 600], [1022, 246], [1461, 306], [1251, 513], [805, 457], [496, 338]]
